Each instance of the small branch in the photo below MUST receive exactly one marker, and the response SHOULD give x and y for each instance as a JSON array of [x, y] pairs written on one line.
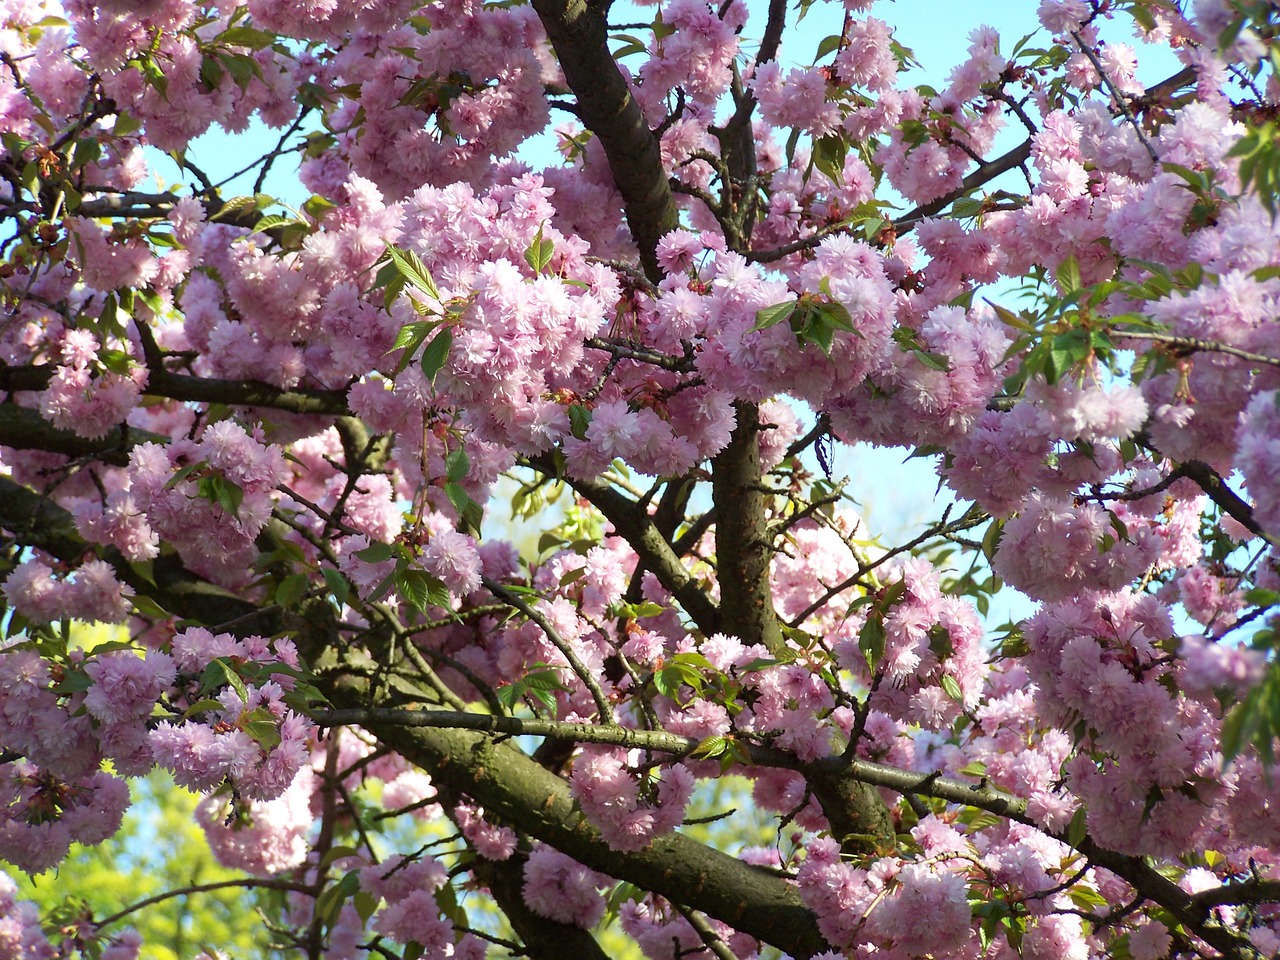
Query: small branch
[[821, 427], [578, 667], [626, 351], [708, 936], [997, 92], [942, 529], [984, 174], [795, 246], [247, 882], [656, 740], [1128, 495], [635, 526], [1196, 345], [1121, 101]]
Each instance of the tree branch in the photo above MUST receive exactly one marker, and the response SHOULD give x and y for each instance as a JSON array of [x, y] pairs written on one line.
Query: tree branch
[[521, 793], [178, 386], [578, 32], [566, 651], [743, 548], [635, 526], [1194, 345], [984, 174]]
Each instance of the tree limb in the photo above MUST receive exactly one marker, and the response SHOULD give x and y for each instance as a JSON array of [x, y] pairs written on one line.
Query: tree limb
[[578, 32]]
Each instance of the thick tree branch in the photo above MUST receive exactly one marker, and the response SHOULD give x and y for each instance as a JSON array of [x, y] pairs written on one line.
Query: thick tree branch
[[36, 521], [743, 550], [24, 429], [579, 35], [1217, 490], [179, 386], [522, 794], [543, 939]]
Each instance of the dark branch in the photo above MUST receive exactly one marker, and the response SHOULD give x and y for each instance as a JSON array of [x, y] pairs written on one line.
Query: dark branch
[[578, 32]]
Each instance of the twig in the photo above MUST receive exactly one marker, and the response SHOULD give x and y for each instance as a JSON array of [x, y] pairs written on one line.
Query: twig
[[268, 884], [1121, 101], [575, 664], [1194, 344], [708, 936], [940, 529], [625, 351]]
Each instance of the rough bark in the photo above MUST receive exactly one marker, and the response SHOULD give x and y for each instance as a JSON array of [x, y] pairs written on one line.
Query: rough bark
[[578, 32], [522, 794], [743, 551]]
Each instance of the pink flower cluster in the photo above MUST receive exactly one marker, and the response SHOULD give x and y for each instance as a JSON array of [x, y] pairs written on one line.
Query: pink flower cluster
[[41, 813], [186, 509], [628, 812], [902, 909], [90, 592], [260, 837]]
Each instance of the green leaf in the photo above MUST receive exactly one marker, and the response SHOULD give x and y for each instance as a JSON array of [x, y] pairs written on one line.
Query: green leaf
[[634, 611], [1077, 830], [1068, 275], [264, 728], [632, 46], [200, 706], [934, 361], [1261, 597], [366, 905], [421, 590], [246, 37], [711, 747], [769, 316], [316, 207], [376, 552], [539, 253], [411, 267], [73, 681], [456, 465], [952, 688], [470, 513], [337, 584], [818, 329], [291, 589], [828, 45], [219, 674], [145, 606], [579, 420], [572, 576], [447, 900], [541, 683], [242, 67], [828, 156], [436, 353], [871, 639], [409, 339], [839, 316], [224, 492]]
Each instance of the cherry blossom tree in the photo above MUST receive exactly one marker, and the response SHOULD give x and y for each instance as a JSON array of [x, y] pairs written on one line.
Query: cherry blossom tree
[[269, 442]]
